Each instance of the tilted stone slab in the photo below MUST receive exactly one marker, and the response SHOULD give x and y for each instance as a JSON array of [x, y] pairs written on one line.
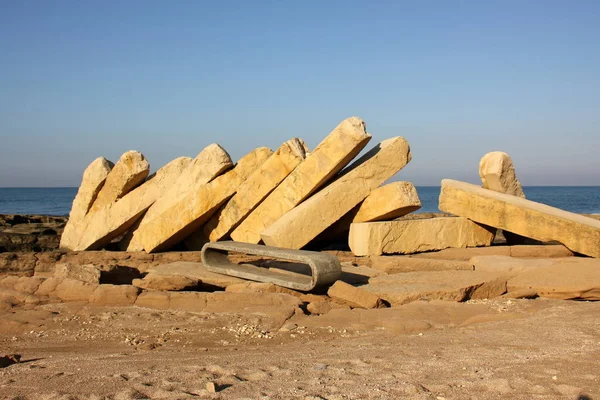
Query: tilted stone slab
[[211, 162], [93, 179], [389, 202], [195, 208], [325, 268], [327, 159], [112, 221], [523, 217], [414, 236], [251, 193], [129, 172], [299, 226]]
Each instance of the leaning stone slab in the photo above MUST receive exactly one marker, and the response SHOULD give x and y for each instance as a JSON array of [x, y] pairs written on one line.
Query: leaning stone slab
[[94, 177], [112, 221], [389, 202], [327, 159], [211, 162], [130, 171], [414, 236], [193, 209], [250, 193], [559, 278], [325, 269], [523, 217], [299, 226], [407, 287]]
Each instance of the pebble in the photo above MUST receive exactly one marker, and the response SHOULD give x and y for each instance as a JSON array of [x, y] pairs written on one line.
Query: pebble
[[211, 387]]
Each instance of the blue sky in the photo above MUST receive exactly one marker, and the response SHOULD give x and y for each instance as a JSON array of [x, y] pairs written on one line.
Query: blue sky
[[82, 79]]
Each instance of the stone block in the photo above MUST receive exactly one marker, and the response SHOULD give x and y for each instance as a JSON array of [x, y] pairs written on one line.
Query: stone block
[[354, 296], [389, 202]]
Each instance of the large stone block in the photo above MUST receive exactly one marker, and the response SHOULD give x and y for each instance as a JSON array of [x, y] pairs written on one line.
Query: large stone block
[[523, 217], [211, 162], [129, 172], [389, 202], [94, 177], [415, 236], [305, 222], [250, 193], [497, 173], [98, 229], [194, 209], [327, 159]]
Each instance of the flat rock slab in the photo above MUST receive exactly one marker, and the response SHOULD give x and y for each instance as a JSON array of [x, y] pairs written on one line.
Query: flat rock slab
[[399, 264], [325, 269], [522, 251], [414, 236], [523, 217], [299, 226], [407, 287], [566, 278], [195, 271]]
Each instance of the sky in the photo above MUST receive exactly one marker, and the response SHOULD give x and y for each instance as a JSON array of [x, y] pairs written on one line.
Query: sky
[[457, 79]]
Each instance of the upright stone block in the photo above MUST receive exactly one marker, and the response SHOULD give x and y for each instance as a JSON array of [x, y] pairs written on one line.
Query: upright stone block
[[192, 210], [251, 193], [302, 224], [523, 217], [328, 158], [94, 177], [415, 236], [130, 171], [211, 162], [115, 219], [497, 173], [389, 202]]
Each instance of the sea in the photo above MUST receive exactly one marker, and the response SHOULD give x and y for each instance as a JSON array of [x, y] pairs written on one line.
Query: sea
[[57, 201]]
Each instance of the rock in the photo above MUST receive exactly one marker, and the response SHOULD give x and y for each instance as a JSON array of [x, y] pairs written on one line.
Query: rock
[[166, 282], [559, 278], [414, 236], [28, 284], [155, 300], [389, 202], [497, 173], [10, 359], [398, 264], [17, 263], [523, 217], [48, 286], [327, 159], [188, 301], [532, 251], [320, 307], [508, 265], [355, 297], [94, 177], [85, 273], [302, 224], [211, 387], [196, 271], [250, 193], [74, 290], [358, 275], [9, 281], [114, 295], [459, 286], [130, 171], [193, 209], [260, 287], [114, 219], [211, 162]]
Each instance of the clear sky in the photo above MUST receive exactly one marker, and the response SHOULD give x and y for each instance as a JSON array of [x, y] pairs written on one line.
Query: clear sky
[[82, 79]]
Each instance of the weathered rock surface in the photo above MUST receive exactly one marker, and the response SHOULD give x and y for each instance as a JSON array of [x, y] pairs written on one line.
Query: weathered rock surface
[[74, 290], [194, 270], [523, 217], [114, 295], [407, 287], [84, 273], [211, 162], [251, 192], [193, 209], [354, 296], [389, 202], [414, 236], [399, 264], [92, 182], [327, 159], [497, 173], [166, 282], [533, 251], [302, 224], [566, 278], [114, 219], [130, 171]]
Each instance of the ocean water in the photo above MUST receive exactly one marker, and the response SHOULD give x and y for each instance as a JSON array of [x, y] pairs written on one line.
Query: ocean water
[[57, 201]]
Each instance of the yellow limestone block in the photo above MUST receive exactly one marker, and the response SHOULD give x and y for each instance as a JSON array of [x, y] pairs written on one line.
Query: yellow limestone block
[[389, 202]]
